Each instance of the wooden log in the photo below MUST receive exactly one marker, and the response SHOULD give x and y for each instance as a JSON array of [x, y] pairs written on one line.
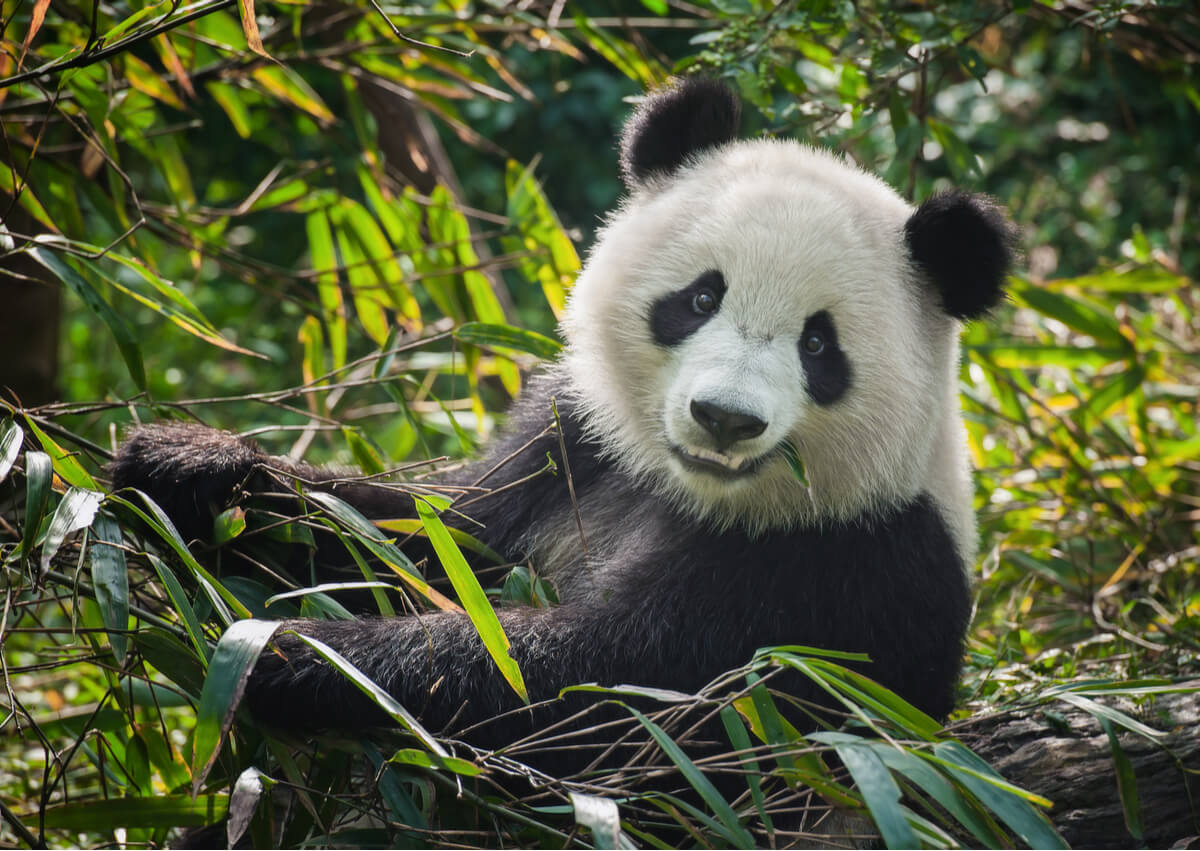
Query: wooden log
[[1062, 753]]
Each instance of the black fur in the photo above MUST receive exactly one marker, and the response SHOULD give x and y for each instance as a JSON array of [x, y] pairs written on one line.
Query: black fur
[[673, 124], [826, 375], [682, 604], [966, 245], [673, 318]]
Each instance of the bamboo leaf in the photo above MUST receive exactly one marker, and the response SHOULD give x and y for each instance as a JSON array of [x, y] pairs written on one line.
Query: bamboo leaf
[[76, 511], [734, 833], [228, 672], [508, 337], [12, 436], [471, 595], [39, 474], [110, 578]]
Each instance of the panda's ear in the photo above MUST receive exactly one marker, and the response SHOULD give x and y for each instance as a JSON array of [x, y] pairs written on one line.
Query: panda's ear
[[683, 118], [966, 245]]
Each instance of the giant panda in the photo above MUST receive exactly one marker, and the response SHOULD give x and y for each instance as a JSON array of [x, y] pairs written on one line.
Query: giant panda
[[750, 303]]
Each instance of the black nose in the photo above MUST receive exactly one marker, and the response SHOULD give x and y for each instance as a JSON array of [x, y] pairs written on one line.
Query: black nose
[[726, 427]]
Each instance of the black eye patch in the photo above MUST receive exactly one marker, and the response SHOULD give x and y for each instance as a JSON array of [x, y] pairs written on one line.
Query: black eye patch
[[678, 315], [826, 370]]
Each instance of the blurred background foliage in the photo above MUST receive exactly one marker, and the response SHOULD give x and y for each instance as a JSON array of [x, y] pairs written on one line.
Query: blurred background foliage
[[348, 229]]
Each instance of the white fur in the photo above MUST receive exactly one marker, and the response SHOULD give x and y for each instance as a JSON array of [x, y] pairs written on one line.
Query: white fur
[[794, 230]]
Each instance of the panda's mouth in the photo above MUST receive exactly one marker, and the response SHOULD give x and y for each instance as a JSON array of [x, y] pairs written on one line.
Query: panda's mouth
[[714, 463]]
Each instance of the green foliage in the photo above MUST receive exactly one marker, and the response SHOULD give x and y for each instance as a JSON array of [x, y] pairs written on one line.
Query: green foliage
[[346, 281]]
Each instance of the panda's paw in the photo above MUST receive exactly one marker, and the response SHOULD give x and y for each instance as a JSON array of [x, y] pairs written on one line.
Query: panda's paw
[[190, 471]]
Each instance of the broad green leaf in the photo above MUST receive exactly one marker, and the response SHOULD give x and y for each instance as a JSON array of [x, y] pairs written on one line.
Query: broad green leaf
[[877, 786], [231, 100], [425, 759], [465, 540], [150, 82], [39, 475], [156, 812], [1105, 713], [228, 672], [734, 833], [183, 607], [123, 334], [75, 511], [508, 337], [1127, 787], [324, 260], [741, 742], [282, 82], [66, 465], [11, 438], [229, 524], [472, 597], [937, 785], [1072, 312], [1001, 797]]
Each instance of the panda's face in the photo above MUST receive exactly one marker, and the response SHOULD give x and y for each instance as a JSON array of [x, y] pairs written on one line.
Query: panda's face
[[763, 302]]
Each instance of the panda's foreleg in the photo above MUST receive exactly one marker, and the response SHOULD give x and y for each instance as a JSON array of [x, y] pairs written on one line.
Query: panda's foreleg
[[437, 667]]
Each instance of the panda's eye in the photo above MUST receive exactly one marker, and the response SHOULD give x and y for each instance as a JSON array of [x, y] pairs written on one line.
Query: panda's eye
[[705, 301], [813, 343]]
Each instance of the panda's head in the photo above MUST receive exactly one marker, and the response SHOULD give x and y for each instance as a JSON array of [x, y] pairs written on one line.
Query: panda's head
[[751, 296]]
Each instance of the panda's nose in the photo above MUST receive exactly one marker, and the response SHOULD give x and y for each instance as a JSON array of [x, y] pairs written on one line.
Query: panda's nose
[[727, 427]]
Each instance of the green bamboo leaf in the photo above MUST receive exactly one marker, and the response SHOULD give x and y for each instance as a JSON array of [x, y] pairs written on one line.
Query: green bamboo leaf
[[733, 832], [938, 786], [110, 578], [425, 759], [1018, 356], [877, 786], [324, 261], [183, 607], [229, 524], [158, 520], [740, 739], [1072, 312], [1103, 712], [997, 794], [381, 698], [228, 672], [11, 438], [366, 533], [232, 101], [412, 526], [39, 475], [508, 337], [75, 511], [1127, 786], [365, 455], [163, 811], [1122, 386], [123, 334], [66, 465], [471, 595]]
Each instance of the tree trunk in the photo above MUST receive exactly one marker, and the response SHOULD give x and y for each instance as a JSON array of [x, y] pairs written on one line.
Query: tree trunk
[[1065, 755]]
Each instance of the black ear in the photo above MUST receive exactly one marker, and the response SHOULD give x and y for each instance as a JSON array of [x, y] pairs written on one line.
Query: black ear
[[684, 118], [966, 244]]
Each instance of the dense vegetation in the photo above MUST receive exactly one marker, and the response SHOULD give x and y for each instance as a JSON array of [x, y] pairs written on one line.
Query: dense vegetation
[[347, 229]]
